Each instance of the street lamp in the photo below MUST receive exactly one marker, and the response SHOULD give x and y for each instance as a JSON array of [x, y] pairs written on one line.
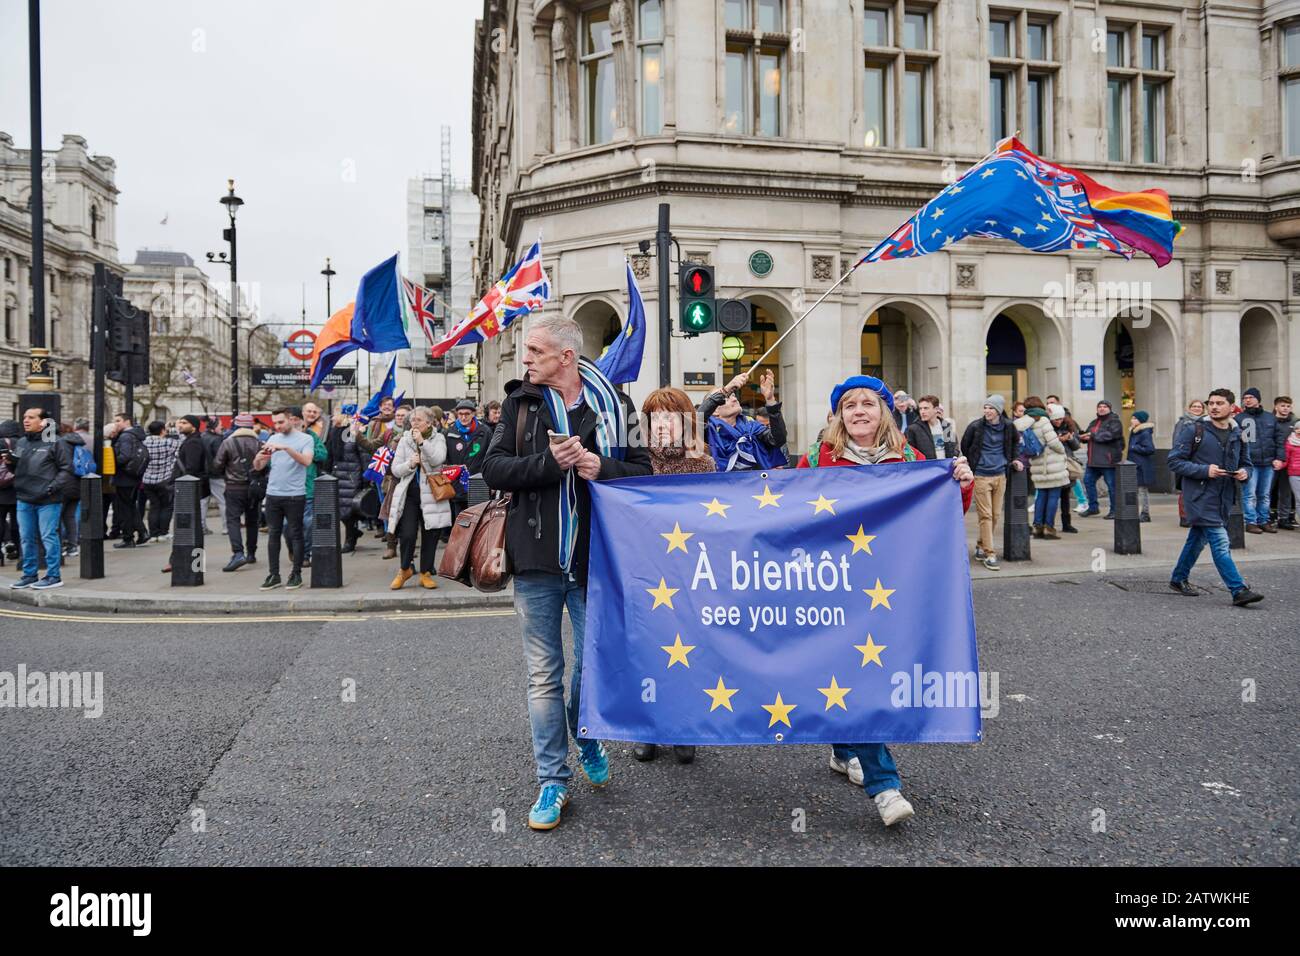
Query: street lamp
[[732, 349], [471, 374], [328, 273], [232, 204]]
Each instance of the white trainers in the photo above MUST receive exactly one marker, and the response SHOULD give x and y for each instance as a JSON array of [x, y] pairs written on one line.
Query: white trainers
[[852, 767], [893, 807], [1082, 509]]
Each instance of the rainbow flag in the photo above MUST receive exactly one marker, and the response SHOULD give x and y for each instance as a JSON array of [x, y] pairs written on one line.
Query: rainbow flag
[[1143, 220]]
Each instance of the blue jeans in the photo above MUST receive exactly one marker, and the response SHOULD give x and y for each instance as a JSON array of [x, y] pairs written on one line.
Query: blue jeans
[[540, 600], [1045, 506], [879, 772], [1077, 488], [1217, 539], [1090, 476], [1254, 493], [40, 521]]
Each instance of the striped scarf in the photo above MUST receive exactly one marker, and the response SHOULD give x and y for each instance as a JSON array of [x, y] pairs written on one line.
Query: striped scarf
[[611, 424]]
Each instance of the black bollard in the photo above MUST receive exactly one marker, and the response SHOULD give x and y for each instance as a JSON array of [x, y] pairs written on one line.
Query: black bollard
[[1128, 525], [1236, 518], [92, 526], [1015, 518], [326, 549], [188, 556]]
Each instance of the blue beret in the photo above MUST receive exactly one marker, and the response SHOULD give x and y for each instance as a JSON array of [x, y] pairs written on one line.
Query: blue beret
[[861, 381]]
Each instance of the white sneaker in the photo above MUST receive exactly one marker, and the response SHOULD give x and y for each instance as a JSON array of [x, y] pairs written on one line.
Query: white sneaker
[[1081, 509], [852, 767], [893, 807]]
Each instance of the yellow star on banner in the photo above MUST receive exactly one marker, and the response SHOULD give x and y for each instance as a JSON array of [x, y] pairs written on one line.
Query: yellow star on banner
[[823, 504], [664, 594], [870, 651], [677, 651], [861, 541], [677, 538], [835, 694], [715, 507], [766, 498], [780, 712], [879, 595], [721, 696]]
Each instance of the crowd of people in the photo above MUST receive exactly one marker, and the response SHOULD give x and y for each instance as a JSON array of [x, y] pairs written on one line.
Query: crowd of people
[[401, 476]]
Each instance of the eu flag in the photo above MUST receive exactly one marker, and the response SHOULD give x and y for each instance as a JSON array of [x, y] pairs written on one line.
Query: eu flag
[[622, 360], [820, 605]]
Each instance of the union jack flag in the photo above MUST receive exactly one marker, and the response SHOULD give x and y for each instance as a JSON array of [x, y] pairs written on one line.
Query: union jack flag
[[379, 462], [521, 290], [419, 306]]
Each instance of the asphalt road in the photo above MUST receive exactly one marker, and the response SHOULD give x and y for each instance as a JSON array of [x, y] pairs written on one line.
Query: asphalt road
[[228, 742]]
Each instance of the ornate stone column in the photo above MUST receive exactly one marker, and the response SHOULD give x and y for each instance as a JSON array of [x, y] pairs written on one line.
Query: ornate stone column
[[622, 27], [564, 78]]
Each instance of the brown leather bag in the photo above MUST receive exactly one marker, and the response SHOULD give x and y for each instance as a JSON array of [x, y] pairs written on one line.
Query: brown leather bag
[[439, 486], [476, 549]]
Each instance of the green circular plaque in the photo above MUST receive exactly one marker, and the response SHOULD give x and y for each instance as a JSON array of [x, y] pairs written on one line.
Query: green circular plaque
[[760, 263]]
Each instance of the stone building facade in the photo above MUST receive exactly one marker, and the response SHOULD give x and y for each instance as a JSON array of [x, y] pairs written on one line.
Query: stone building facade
[[80, 231], [789, 136]]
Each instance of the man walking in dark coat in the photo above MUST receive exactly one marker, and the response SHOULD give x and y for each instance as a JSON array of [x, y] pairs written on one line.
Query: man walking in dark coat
[[132, 460], [1209, 457]]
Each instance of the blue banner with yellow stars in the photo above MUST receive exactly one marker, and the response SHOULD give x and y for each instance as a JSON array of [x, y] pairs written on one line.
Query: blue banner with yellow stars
[[818, 605]]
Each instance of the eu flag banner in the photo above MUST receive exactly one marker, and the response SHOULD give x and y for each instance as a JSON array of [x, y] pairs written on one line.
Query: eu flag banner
[[819, 605]]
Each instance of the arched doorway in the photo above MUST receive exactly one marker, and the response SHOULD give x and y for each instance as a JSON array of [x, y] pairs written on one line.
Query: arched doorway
[[901, 344], [1261, 353], [769, 323], [1140, 363], [600, 324], [1023, 354]]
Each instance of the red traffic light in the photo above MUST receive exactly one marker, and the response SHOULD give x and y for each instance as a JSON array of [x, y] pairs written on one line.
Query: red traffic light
[[698, 281]]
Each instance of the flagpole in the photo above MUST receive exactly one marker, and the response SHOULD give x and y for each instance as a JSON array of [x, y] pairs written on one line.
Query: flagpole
[[796, 322]]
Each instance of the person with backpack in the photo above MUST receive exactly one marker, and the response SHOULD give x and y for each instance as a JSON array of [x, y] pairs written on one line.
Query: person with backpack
[[82, 464], [1210, 456], [1046, 453], [737, 442], [245, 488], [132, 458], [157, 482]]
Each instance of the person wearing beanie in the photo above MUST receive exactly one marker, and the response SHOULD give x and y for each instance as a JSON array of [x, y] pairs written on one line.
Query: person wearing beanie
[[192, 461], [1264, 445], [1141, 451], [1067, 430], [1104, 437], [863, 432], [156, 484], [234, 461], [989, 446], [1282, 503], [467, 444]]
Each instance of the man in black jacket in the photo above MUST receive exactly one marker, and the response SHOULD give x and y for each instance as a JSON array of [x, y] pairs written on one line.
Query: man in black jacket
[[544, 463], [1281, 501], [132, 460], [1105, 439], [212, 439], [467, 444], [989, 444], [43, 472]]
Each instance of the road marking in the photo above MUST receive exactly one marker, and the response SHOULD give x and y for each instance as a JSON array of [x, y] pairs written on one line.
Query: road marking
[[109, 618]]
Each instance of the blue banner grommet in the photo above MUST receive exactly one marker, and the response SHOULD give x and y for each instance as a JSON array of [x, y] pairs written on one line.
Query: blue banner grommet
[[780, 737], [763, 476]]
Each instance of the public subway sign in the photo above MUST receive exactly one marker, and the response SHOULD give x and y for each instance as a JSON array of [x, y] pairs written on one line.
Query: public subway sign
[[792, 606], [299, 376], [1087, 378]]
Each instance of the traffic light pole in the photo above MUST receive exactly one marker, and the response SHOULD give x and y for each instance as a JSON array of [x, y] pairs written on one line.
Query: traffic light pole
[[98, 356], [662, 241]]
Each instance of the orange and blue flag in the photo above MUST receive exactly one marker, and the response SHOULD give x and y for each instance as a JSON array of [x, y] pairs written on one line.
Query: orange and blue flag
[[334, 342]]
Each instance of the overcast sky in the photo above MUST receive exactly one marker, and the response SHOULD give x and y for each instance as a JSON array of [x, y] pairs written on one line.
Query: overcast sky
[[319, 109]]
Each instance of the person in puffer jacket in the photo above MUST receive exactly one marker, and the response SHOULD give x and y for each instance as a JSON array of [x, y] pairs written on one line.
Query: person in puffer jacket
[[1141, 450], [1046, 469], [349, 465], [414, 511]]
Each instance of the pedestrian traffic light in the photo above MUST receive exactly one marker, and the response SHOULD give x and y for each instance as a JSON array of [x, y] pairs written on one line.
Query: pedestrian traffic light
[[735, 316], [695, 295], [128, 343]]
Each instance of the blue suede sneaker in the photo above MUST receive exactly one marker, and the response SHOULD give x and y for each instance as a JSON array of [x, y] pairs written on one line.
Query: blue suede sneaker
[[47, 582], [545, 813], [24, 582], [595, 763]]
